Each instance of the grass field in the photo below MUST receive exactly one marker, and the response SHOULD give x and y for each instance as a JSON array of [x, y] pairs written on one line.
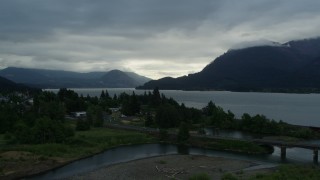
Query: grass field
[[19, 160], [84, 143], [291, 172]]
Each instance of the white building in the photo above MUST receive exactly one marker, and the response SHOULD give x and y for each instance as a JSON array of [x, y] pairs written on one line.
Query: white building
[[79, 114]]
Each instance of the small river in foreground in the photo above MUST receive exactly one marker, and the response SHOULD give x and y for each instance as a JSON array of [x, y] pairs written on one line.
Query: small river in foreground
[[135, 152]]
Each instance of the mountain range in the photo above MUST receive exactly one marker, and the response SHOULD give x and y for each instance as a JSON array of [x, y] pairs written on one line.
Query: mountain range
[[289, 67], [292, 66], [42, 78], [9, 86]]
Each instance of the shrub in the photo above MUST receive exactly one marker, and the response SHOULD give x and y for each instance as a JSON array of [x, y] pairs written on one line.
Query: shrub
[[229, 176], [200, 176]]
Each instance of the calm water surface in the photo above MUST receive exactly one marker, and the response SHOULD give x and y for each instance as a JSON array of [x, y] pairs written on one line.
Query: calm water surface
[[134, 152], [300, 109]]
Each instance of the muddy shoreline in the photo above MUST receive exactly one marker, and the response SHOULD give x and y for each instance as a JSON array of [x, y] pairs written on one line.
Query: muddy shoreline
[[37, 167], [176, 166]]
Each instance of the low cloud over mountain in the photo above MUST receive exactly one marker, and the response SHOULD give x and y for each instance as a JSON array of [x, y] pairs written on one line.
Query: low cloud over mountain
[[57, 79], [293, 66]]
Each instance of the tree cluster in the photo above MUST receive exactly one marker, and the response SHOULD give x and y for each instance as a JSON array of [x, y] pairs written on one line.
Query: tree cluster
[[217, 117], [263, 125], [42, 122]]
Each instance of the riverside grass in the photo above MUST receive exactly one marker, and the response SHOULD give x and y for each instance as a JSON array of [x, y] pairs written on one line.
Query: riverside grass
[[84, 143], [305, 172], [288, 171], [95, 140], [24, 158], [230, 145]]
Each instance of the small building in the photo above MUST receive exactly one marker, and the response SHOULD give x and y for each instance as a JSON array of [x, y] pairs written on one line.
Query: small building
[[4, 99], [80, 114], [30, 101], [114, 109]]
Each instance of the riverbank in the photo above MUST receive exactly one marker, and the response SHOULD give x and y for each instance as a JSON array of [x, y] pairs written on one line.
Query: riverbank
[[17, 161], [201, 141], [176, 167]]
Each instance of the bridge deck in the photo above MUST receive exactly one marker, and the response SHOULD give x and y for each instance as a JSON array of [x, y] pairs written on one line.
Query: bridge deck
[[288, 144]]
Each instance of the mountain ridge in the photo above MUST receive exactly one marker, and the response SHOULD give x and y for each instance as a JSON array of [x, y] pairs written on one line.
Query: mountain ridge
[[44, 78], [9, 86], [260, 68]]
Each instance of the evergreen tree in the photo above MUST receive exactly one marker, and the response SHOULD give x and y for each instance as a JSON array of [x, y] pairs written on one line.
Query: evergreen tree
[[115, 98], [149, 120], [98, 119], [102, 95], [156, 98], [95, 115], [130, 106], [107, 95], [167, 116], [183, 134]]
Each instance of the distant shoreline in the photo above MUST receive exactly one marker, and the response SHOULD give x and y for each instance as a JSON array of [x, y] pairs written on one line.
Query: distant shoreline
[[284, 91]]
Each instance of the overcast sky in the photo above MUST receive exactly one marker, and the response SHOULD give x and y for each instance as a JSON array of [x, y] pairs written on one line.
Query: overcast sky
[[154, 38]]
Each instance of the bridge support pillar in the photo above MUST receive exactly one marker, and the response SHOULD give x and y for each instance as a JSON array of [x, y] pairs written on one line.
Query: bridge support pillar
[[315, 156], [283, 152]]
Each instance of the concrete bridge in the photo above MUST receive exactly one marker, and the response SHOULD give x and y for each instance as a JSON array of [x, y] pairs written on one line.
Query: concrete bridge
[[284, 145], [281, 144]]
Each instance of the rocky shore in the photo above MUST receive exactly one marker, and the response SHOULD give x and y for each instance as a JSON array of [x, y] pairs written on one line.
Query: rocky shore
[[175, 167]]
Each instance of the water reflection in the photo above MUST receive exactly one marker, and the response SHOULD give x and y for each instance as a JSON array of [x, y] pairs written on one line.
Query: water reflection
[[134, 152], [183, 149], [296, 155], [232, 134]]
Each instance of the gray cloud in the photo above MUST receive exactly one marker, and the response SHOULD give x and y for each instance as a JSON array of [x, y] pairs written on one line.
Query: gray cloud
[[151, 37]]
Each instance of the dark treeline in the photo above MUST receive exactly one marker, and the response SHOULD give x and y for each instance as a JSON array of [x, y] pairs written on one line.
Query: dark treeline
[[42, 120], [37, 119], [217, 117]]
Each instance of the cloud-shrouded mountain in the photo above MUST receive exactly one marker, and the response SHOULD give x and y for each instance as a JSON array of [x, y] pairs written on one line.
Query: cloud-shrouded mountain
[[118, 79], [57, 79], [291, 66], [146, 36]]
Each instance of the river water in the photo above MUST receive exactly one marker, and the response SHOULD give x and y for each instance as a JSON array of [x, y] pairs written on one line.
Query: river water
[[300, 109], [293, 154], [134, 152]]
